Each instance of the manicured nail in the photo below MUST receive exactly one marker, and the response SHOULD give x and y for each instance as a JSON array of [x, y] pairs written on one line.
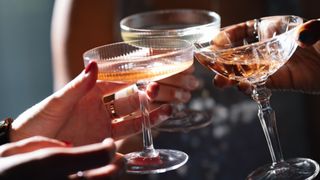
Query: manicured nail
[[89, 67], [67, 143], [153, 90], [108, 141]]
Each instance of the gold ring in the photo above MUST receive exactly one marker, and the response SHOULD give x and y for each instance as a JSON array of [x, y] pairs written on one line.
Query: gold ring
[[111, 109]]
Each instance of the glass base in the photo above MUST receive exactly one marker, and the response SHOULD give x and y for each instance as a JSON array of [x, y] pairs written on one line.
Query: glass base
[[293, 169], [185, 121], [165, 161]]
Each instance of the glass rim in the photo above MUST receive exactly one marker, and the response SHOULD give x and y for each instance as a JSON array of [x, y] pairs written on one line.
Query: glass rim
[[300, 21], [214, 15], [170, 53]]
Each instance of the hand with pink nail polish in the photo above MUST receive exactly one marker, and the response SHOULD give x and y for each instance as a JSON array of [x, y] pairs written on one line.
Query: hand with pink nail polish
[[77, 113], [54, 135]]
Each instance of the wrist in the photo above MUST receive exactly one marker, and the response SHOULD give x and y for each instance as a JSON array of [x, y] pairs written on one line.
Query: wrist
[[5, 128]]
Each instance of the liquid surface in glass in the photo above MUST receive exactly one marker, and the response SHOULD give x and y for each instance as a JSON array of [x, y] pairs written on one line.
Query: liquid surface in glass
[[240, 68], [141, 72]]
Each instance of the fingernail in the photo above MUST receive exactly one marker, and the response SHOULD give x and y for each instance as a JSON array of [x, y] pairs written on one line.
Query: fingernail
[[182, 95], [89, 67], [67, 143], [306, 37], [108, 141], [153, 90]]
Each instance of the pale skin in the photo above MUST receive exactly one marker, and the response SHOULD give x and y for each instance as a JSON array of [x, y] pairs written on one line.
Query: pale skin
[[72, 125]]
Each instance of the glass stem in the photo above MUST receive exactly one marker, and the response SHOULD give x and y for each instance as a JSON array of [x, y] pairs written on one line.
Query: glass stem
[[268, 120], [148, 149]]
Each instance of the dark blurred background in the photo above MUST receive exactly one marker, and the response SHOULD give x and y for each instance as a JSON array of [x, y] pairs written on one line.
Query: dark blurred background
[[26, 78]]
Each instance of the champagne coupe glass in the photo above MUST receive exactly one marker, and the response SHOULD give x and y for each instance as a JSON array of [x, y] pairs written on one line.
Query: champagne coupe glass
[[188, 24], [140, 62], [251, 52]]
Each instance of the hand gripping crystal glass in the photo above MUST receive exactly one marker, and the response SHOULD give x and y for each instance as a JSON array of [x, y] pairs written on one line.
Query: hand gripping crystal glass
[[251, 52], [140, 62], [187, 24]]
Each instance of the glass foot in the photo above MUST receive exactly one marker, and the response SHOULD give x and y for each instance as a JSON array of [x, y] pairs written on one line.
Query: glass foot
[[185, 121], [293, 169], [165, 161]]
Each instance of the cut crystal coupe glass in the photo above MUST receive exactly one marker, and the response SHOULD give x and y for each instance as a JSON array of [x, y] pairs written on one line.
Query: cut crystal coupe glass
[[251, 52]]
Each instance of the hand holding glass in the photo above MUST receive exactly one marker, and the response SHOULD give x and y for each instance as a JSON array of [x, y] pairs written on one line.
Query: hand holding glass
[[140, 62], [251, 52], [187, 24]]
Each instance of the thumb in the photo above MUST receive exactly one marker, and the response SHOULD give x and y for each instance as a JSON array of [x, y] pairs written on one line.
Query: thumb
[[79, 86]]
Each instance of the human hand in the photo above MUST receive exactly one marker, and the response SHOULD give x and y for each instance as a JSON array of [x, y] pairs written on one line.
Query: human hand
[[300, 73], [77, 114], [43, 158], [176, 88]]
